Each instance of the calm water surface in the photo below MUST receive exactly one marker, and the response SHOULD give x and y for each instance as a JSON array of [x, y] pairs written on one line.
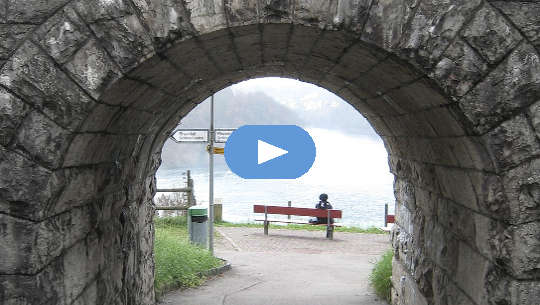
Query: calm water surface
[[352, 170]]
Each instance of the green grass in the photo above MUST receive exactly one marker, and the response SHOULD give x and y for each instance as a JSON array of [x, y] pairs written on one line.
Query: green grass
[[177, 262], [380, 277], [371, 230], [180, 264], [179, 222]]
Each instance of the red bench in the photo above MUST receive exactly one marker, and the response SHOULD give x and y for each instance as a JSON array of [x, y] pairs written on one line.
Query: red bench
[[388, 218], [280, 210]]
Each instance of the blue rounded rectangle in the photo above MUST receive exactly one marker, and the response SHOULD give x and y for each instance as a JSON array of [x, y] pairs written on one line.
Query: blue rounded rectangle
[[270, 152]]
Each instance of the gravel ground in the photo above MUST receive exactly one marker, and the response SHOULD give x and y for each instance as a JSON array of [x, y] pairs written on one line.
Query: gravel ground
[[300, 241], [290, 267]]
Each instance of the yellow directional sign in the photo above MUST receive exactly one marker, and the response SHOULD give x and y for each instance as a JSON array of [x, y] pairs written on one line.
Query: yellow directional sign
[[217, 150]]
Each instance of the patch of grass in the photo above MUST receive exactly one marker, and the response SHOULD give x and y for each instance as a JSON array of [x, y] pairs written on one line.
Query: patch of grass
[[380, 277], [173, 221], [371, 230], [178, 263]]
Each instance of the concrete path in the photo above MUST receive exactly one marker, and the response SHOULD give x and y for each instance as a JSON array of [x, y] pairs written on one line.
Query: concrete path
[[289, 267]]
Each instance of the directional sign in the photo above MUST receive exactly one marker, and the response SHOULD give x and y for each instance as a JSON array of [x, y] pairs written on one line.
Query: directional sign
[[222, 135], [200, 135], [217, 150], [190, 136]]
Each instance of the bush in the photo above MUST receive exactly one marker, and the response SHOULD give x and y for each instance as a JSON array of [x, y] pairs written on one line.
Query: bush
[[178, 263], [380, 277], [179, 222]]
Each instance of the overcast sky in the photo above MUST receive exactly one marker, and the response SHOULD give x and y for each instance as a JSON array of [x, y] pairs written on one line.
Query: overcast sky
[[292, 93], [271, 101]]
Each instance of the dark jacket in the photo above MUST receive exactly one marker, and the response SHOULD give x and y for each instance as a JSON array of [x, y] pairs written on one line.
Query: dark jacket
[[324, 205]]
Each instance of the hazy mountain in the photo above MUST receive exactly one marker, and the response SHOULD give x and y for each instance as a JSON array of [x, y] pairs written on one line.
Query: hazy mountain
[[343, 118], [234, 108]]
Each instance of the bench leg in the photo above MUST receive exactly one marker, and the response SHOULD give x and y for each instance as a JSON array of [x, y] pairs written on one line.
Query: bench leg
[[330, 232], [266, 227]]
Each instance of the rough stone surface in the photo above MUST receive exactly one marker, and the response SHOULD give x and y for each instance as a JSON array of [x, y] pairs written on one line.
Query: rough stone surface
[[118, 29], [12, 112], [386, 22], [524, 14], [25, 187], [42, 139], [490, 34], [10, 36], [92, 68], [513, 142], [534, 115], [523, 248], [459, 69], [63, 34], [523, 187], [31, 12], [168, 20], [35, 78], [514, 84], [433, 26], [89, 91]]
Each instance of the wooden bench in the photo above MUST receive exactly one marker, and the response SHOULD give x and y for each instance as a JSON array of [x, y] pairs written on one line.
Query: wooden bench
[[388, 218], [280, 210]]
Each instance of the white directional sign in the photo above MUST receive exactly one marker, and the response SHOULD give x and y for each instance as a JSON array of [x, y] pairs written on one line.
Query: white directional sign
[[200, 135], [222, 135], [190, 135], [267, 152]]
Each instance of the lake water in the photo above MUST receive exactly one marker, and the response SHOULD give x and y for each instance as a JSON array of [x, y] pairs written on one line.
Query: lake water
[[352, 170]]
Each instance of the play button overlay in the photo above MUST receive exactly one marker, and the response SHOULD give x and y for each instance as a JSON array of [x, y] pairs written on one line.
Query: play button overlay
[[267, 152], [270, 152]]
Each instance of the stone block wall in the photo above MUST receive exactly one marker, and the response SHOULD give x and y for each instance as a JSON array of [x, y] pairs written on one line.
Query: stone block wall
[[89, 91]]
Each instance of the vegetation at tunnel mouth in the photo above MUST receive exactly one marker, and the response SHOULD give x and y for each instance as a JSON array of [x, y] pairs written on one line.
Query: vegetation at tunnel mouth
[[380, 277], [178, 263]]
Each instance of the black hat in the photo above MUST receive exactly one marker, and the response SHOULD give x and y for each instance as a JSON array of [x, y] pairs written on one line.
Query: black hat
[[323, 197]]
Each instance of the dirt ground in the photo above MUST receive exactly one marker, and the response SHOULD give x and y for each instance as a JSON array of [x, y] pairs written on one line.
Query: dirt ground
[[289, 267]]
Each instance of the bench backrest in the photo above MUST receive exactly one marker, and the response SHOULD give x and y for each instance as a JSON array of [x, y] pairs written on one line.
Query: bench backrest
[[272, 209]]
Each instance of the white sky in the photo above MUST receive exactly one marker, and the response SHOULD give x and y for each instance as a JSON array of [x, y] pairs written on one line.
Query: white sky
[[291, 93]]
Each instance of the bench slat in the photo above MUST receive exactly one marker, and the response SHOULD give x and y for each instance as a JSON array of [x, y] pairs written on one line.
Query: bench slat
[[272, 209], [335, 224]]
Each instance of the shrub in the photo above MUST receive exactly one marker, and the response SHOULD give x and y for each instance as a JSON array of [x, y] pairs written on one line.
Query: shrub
[[179, 222], [381, 274], [178, 263]]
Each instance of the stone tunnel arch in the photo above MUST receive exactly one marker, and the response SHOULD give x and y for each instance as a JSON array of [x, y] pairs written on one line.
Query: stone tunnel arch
[[90, 89]]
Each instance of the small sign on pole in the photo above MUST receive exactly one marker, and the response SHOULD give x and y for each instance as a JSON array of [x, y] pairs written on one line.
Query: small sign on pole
[[217, 150], [190, 135], [222, 134]]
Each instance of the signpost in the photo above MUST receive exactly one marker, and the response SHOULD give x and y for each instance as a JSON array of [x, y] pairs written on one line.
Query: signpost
[[223, 134], [190, 135], [211, 184], [209, 136], [201, 135]]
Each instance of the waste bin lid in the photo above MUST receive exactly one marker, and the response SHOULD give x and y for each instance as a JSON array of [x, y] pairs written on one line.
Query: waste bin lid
[[197, 211]]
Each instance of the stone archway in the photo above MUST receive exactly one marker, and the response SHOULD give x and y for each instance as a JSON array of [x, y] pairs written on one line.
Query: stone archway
[[90, 89]]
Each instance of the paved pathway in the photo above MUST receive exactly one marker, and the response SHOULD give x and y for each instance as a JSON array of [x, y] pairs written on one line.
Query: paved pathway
[[289, 267]]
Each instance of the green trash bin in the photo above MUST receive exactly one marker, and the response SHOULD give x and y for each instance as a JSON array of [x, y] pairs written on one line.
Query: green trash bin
[[198, 225]]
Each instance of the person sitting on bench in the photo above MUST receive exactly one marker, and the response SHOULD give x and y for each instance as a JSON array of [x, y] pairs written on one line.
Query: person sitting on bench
[[323, 205]]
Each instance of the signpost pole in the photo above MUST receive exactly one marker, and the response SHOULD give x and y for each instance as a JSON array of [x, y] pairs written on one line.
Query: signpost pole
[[211, 182]]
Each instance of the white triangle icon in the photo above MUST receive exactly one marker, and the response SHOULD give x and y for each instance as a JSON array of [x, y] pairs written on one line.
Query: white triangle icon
[[267, 152]]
